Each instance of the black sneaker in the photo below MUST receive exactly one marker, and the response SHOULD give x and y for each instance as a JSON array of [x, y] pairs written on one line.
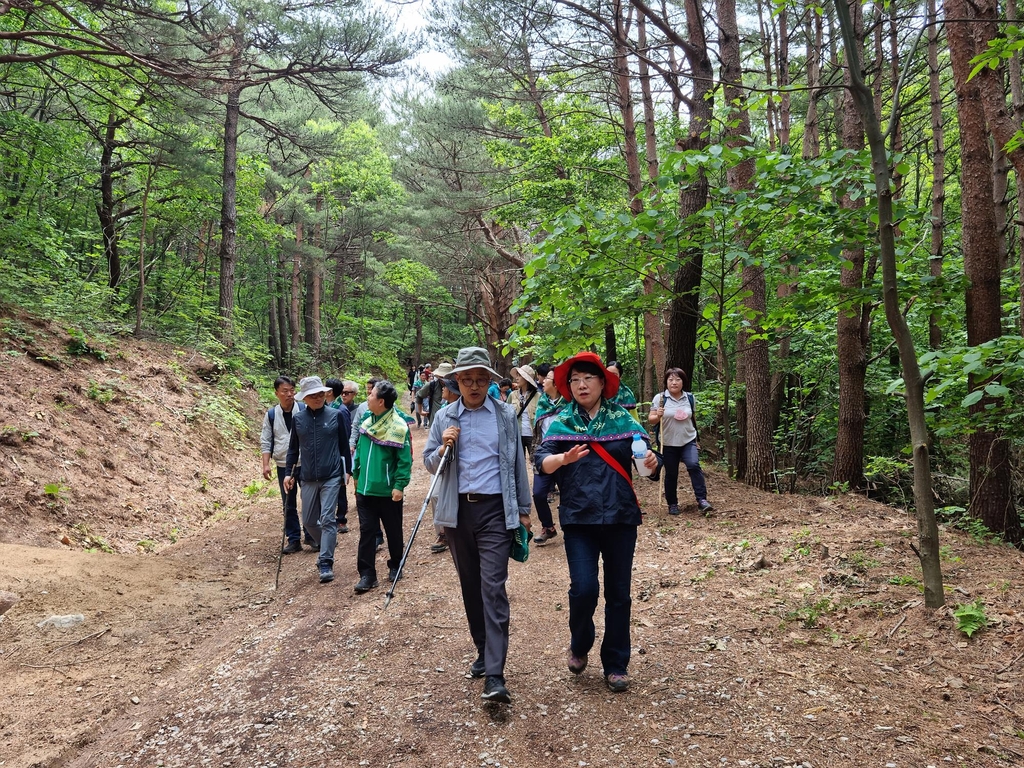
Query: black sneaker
[[366, 583], [495, 690], [343, 528], [291, 548], [478, 668], [440, 545], [326, 574], [392, 574]]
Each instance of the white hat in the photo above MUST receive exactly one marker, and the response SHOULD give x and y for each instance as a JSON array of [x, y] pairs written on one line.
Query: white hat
[[311, 385]]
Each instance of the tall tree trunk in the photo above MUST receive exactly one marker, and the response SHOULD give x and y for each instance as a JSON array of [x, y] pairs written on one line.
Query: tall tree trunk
[[140, 298], [1017, 102], [851, 339], [927, 529], [935, 251], [273, 337], [294, 324], [753, 344], [813, 31], [105, 209], [991, 487], [418, 354], [782, 56], [611, 351], [228, 251]]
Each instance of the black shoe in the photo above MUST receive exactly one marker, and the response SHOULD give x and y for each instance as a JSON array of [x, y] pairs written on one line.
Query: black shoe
[[545, 535], [495, 690], [478, 668], [343, 528], [380, 543], [366, 583], [326, 574], [291, 548], [392, 574]]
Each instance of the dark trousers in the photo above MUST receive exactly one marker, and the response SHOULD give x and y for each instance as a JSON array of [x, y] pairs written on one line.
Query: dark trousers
[[584, 545], [376, 512], [481, 546], [342, 513], [542, 486], [687, 454], [292, 527]]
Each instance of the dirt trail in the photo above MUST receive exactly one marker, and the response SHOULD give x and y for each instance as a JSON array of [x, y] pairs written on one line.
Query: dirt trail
[[781, 631]]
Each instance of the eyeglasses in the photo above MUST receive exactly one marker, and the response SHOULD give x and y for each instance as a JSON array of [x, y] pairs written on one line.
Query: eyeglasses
[[349, 392], [479, 383], [317, 395], [577, 380]]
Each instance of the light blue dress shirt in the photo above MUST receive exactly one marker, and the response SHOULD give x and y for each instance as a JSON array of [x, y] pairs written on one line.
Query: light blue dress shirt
[[479, 468]]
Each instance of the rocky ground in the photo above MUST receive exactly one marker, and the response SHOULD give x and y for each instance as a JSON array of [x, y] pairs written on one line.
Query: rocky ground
[[779, 631]]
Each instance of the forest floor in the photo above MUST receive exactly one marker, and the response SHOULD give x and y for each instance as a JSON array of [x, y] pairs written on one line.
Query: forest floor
[[778, 631]]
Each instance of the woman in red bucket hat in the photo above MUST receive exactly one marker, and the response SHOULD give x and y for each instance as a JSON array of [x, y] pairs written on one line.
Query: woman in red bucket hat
[[589, 448]]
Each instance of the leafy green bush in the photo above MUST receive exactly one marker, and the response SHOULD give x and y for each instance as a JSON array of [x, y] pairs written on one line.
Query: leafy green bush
[[970, 617]]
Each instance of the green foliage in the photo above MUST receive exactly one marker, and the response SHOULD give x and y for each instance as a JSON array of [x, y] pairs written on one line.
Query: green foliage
[[222, 411], [80, 345], [56, 491], [960, 519], [970, 617], [101, 393], [811, 612]]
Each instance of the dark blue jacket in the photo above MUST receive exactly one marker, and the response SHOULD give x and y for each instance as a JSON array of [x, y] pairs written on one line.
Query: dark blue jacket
[[322, 438], [589, 491]]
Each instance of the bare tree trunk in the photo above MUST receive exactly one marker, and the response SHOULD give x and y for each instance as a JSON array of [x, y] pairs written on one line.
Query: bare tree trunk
[[140, 297], [105, 209], [927, 528], [812, 140], [938, 175], [294, 315], [273, 337], [228, 251], [418, 355], [1017, 101], [851, 344], [782, 56], [991, 485]]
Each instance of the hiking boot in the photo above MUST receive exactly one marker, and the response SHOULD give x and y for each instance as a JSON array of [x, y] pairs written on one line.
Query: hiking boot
[[366, 583], [546, 534], [440, 545], [704, 506], [576, 663], [673, 509], [380, 542], [392, 574], [617, 683], [478, 668], [291, 548], [495, 690], [343, 528], [326, 574]]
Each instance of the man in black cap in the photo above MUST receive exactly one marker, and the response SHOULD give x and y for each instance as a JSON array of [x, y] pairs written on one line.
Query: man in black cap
[[482, 498]]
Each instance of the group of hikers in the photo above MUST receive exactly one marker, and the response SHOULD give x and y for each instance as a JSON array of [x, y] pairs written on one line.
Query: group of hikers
[[578, 425]]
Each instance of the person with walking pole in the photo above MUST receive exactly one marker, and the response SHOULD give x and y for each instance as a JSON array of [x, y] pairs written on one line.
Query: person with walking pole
[[381, 469], [481, 501]]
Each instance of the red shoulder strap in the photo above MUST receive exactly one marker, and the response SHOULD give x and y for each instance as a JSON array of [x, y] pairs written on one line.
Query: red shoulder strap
[[603, 453]]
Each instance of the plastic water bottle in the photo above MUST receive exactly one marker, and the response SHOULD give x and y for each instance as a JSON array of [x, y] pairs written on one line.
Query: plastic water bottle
[[639, 452]]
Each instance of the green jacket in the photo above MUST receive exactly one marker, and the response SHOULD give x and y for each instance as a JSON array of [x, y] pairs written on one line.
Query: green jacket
[[379, 469]]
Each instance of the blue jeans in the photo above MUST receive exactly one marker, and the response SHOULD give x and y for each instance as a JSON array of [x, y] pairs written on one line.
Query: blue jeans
[[584, 545], [542, 486], [687, 454], [319, 500], [292, 529]]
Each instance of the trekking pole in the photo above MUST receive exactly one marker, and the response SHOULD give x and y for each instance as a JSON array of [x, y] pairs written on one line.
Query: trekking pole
[[280, 553], [445, 460]]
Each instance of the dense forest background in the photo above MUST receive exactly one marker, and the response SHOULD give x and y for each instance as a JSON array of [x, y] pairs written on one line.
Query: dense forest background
[[687, 183]]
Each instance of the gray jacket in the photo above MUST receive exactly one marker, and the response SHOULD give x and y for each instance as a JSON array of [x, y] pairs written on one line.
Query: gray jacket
[[515, 482]]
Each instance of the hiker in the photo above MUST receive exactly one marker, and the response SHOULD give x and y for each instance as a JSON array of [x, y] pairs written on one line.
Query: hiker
[[381, 470], [334, 395], [430, 398], [357, 417], [348, 395], [672, 410], [274, 438], [320, 440], [335, 400], [523, 398], [482, 499], [624, 396], [549, 405], [589, 450]]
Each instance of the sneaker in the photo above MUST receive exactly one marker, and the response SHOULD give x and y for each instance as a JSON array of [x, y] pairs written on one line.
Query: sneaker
[[440, 545], [392, 574], [547, 534], [577, 663], [380, 542], [617, 683], [673, 509], [366, 583], [495, 690], [291, 548], [704, 506], [478, 668], [343, 528], [326, 574]]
